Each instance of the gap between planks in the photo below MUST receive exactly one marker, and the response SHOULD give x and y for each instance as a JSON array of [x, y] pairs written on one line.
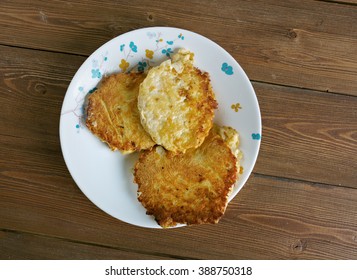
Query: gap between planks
[[301, 181], [348, 3], [42, 50], [302, 88], [252, 80], [163, 255]]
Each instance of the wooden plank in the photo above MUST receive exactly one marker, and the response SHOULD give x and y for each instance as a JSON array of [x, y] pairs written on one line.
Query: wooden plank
[[298, 43], [304, 225], [33, 87], [315, 132], [269, 219], [22, 246]]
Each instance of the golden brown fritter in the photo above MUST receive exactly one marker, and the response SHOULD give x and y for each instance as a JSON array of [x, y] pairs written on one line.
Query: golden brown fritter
[[190, 188], [176, 103], [112, 113]]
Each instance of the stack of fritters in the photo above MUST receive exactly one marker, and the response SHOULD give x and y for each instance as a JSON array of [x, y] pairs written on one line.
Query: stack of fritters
[[188, 168]]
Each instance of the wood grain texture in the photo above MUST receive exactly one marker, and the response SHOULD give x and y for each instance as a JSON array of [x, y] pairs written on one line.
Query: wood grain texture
[[33, 87], [269, 219], [26, 246], [315, 132], [298, 43], [300, 202]]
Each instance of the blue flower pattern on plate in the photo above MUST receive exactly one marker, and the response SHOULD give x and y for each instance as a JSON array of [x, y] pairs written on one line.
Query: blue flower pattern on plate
[[133, 47], [256, 136], [96, 73], [122, 47], [227, 69], [141, 66], [169, 42], [92, 90], [167, 51]]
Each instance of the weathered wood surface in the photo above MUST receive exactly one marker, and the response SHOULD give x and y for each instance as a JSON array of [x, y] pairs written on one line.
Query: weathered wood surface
[[304, 44], [301, 201], [26, 246], [270, 218]]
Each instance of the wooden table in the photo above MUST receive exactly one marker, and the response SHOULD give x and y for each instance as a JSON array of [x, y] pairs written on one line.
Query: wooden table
[[299, 203]]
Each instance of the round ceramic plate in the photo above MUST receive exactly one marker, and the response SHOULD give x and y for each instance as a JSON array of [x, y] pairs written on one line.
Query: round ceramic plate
[[105, 177]]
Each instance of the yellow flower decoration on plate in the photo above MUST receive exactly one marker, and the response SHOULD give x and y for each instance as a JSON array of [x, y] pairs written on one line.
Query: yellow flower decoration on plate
[[236, 107], [124, 65], [149, 54]]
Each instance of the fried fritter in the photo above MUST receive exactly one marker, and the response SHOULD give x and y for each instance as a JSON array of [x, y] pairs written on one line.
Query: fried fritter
[[176, 103], [189, 188], [113, 116]]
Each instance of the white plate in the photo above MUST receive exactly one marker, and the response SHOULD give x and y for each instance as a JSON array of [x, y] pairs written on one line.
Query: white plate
[[105, 177]]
